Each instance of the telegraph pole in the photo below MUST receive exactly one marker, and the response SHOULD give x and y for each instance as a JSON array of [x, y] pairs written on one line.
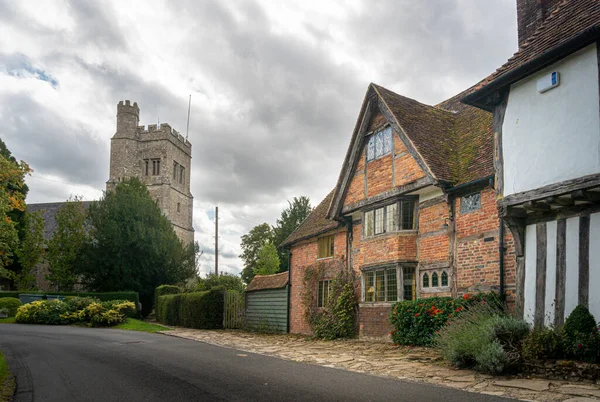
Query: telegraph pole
[[217, 240]]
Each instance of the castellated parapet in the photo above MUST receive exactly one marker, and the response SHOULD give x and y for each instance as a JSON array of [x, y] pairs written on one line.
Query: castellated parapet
[[161, 158]]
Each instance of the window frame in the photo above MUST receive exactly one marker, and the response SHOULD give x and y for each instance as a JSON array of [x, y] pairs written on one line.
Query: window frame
[[331, 247], [155, 166], [371, 142], [398, 223], [399, 271], [175, 170], [431, 288], [321, 298]]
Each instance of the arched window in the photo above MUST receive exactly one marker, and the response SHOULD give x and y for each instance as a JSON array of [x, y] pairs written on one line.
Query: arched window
[[444, 278], [434, 280], [425, 280]]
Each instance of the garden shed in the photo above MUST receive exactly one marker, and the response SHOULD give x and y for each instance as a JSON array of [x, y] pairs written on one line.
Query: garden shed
[[267, 303]]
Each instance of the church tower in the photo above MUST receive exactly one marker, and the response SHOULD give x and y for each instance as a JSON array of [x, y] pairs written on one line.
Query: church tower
[[161, 158]]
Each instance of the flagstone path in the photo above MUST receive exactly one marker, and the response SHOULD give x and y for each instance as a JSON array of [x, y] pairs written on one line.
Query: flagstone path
[[386, 359]]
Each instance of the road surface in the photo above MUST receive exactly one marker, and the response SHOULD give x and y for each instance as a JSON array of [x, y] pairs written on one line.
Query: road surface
[[62, 363]]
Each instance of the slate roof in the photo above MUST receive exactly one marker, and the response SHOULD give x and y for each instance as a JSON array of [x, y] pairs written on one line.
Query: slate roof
[[264, 282], [314, 224], [49, 214], [570, 20]]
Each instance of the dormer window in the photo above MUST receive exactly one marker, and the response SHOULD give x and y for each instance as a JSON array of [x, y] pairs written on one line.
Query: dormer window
[[380, 144]]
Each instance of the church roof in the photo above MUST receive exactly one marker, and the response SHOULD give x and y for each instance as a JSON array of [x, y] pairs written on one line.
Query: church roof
[[49, 211], [573, 25]]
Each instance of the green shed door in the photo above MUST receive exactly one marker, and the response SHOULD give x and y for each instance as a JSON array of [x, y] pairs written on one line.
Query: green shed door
[[267, 310]]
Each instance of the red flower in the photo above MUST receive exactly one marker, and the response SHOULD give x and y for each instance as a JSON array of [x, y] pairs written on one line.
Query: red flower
[[416, 314], [580, 346], [458, 309], [466, 296]]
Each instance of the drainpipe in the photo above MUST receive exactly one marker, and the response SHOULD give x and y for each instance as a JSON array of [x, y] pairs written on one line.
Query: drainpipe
[[501, 259], [289, 289]]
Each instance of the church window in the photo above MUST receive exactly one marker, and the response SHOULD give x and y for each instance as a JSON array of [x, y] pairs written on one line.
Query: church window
[[380, 144], [434, 280], [425, 280], [178, 207], [175, 170], [444, 278], [181, 174], [147, 163]]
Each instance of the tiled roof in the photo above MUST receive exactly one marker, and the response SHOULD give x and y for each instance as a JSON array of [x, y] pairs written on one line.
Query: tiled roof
[[314, 224], [567, 22], [263, 282], [454, 140], [49, 214]]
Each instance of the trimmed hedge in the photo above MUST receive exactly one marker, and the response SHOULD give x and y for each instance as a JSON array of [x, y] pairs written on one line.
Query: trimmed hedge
[[163, 290], [200, 310], [10, 304], [416, 321], [106, 296]]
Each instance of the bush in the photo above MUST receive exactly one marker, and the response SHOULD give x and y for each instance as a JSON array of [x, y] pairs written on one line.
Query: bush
[[484, 338], [10, 293], [201, 310], [338, 318], [544, 343], [581, 340], [124, 307], [76, 303], [416, 321], [10, 305], [48, 312], [163, 290]]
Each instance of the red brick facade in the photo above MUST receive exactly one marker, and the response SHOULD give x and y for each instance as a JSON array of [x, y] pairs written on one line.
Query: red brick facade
[[444, 240]]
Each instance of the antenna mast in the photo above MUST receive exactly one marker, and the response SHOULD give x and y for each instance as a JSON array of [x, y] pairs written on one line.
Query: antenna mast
[[187, 130]]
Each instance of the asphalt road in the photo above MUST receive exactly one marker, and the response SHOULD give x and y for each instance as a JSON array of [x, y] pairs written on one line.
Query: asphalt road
[[84, 364]]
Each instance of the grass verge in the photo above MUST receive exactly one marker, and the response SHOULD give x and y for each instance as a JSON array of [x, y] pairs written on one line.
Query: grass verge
[[131, 324], [9, 320], [7, 381]]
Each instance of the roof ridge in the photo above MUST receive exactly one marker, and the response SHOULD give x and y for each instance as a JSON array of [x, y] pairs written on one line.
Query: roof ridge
[[410, 99]]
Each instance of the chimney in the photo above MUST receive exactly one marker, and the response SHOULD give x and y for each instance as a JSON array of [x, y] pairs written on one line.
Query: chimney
[[128, 117], [531, 14]]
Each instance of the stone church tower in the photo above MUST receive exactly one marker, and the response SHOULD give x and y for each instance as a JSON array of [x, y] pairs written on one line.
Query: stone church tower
[[161, 158]]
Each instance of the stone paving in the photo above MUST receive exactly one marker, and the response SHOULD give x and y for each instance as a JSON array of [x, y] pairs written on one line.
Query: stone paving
[[385, 359]]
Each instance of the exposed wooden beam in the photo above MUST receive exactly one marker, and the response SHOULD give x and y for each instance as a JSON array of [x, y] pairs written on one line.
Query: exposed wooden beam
[[584, 195], [536, 206], [559, 200]]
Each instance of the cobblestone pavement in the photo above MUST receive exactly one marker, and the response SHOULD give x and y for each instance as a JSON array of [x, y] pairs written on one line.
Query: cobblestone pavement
[[386, 359]]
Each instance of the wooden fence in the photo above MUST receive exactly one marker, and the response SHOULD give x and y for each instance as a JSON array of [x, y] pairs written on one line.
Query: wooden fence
[[233, 315]]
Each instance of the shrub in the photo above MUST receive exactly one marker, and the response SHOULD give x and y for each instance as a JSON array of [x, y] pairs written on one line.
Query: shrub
[[202, 310], [416, 321], [543, 343], [43, 312], [10, 305], [163, 290], [76, 303], [338, 318], [581, 340], [484, 338], [124, 307]]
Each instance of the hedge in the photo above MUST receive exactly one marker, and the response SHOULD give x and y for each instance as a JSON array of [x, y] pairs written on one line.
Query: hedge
[[10, 305], [105, 296], [163, 290], [416, 321], [200, 310]]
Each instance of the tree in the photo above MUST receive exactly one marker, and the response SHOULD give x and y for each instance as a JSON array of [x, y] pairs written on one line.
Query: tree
[[66, 243], [132, 245], [12, 203], [30, 250], [251, 245], [291, 217], [268, 260], [225, 280]]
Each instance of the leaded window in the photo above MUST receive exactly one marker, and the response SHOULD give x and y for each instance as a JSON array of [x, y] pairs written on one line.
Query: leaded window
[[381, 285], [470, 203], [444, 278], [390, 218], [434, 280], [323, 293], [425, 280], [325, 245], [380, 144]]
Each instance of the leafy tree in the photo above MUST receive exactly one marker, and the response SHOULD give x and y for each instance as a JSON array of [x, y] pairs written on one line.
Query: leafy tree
[[225, 280], [12, 203], [268, 260], [66, 243], [251, 245], [133, 245], [30, 250], [290, 219]]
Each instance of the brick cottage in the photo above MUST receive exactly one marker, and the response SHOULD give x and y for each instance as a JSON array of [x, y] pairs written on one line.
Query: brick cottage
[[413, 213]]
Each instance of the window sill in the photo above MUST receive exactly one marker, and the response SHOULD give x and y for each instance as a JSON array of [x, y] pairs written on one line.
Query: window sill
[[375, 304], [324, 258], [439, 289]]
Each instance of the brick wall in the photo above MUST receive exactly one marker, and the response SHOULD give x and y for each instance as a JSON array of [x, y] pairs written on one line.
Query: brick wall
[[406, 168], [373, 321]]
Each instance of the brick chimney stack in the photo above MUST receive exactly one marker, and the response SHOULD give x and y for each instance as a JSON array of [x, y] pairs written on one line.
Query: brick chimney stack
[[531, 14]]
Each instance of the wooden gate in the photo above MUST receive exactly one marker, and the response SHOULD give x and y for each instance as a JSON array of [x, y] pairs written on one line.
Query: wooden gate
[[233, 315]]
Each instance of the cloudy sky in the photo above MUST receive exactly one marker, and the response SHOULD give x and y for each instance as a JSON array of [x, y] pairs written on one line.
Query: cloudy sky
[[276, 88]]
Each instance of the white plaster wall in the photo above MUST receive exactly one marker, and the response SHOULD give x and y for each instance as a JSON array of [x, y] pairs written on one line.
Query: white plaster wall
[[572, 257], [554, 136], [594, 290], [550, 299], [529, 290]]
